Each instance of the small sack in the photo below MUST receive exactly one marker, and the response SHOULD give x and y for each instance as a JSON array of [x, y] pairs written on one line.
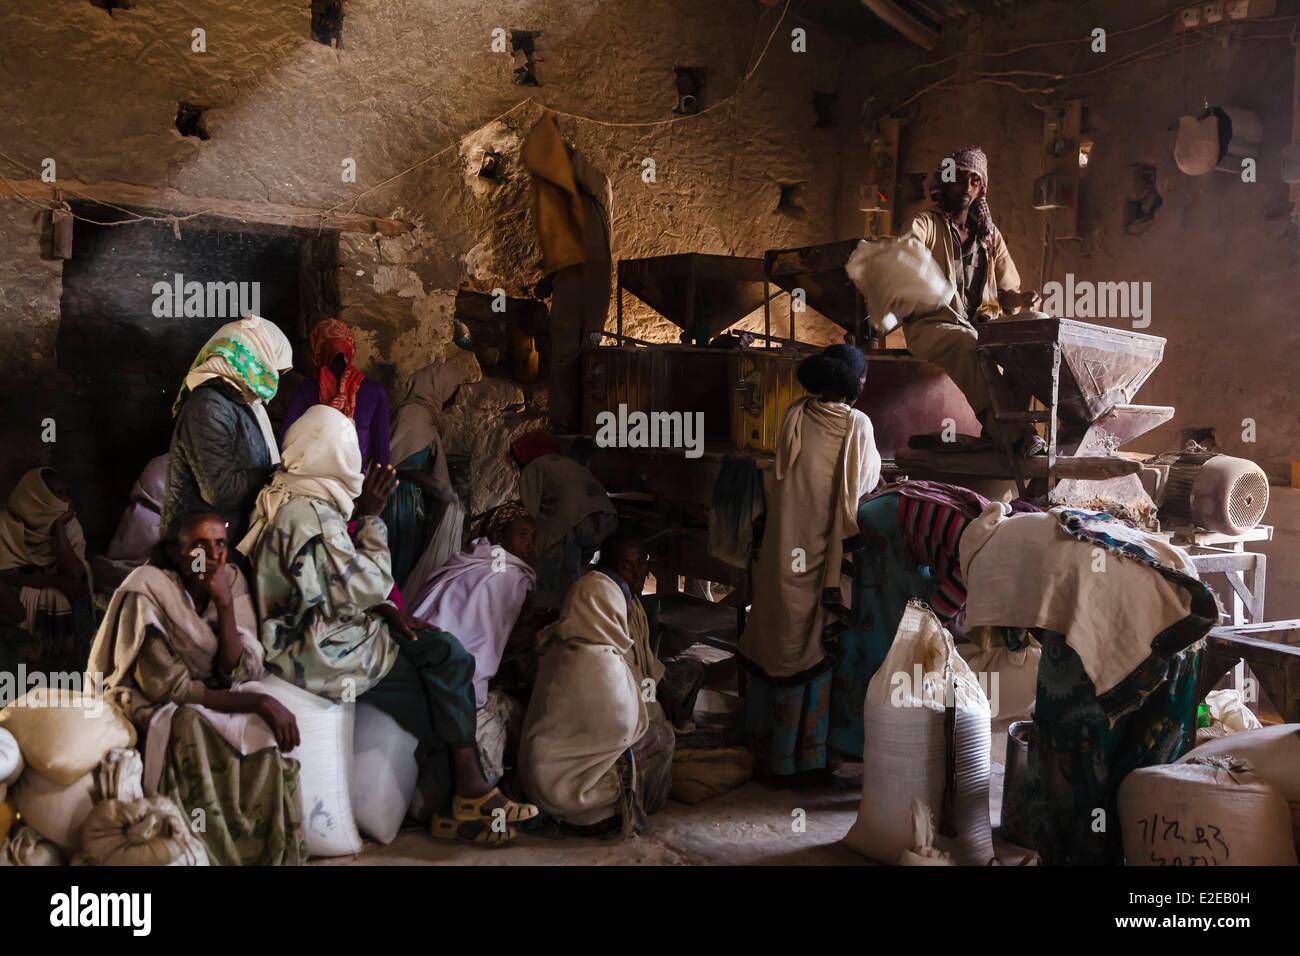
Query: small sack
[[28, 848], [923, 852], [148, 832], [898, 278], [11, 758], [1228, 715], [64, 734], [121, 775]]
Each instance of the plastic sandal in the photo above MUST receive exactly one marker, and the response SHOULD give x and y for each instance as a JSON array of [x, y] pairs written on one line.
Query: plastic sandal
[[444, 828], [471, 808]]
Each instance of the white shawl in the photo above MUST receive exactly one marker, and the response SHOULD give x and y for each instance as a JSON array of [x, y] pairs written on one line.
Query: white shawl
[[1027, 571], [826, 460], [587, 707], [321, 460], [151, 599]]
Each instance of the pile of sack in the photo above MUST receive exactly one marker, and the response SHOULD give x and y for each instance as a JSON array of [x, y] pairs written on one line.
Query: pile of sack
[[71, 789]]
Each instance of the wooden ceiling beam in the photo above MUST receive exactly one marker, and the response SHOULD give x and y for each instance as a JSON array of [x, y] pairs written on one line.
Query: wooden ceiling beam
[[168, 200], [904, 22]]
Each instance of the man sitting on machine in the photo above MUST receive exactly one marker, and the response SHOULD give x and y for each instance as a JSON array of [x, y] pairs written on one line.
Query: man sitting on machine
[[971, 253]]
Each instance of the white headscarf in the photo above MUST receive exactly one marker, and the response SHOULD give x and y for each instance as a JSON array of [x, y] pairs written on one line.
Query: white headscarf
[[415, 418], [321, 460], [257, 380]]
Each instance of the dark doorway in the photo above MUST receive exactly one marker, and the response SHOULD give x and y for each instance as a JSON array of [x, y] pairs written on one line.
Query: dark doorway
[[125, 340]]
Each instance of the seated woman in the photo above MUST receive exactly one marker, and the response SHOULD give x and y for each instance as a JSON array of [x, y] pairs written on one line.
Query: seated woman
[[178, 640], [826, 460], [1120, 614], [573, 513], [482, 590], [43, 556], [424, 516], [597, 749], [340, 384], [222, 448], [138, 532], [327, 627], [908, 550]]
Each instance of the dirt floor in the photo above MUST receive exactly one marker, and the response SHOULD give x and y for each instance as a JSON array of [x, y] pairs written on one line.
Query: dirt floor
[[749, 826]]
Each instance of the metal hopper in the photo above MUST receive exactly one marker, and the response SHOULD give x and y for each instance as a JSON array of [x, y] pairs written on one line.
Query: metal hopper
[[1100, 371], [818, 271], [703, 295]]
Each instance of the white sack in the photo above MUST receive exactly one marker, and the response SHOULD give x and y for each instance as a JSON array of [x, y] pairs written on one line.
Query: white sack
[[326, 758], [11, 758], [898, 278], [384, 773], [904, 750]]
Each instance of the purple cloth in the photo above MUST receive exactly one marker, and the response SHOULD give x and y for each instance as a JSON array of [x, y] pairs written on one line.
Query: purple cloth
[[371, 418]]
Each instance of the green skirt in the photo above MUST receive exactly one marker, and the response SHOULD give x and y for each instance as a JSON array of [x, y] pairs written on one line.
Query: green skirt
[[247, 808]]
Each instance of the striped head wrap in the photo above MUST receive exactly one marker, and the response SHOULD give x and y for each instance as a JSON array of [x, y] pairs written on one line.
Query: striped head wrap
[[973, 160], [494, 523]]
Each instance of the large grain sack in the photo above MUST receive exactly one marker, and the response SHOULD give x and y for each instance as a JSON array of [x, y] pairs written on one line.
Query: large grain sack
[[384, 772], [1272, 753], [906, 750], [63, 735], [54, 811], [1009, 678], [1209, 811], [326, 758]]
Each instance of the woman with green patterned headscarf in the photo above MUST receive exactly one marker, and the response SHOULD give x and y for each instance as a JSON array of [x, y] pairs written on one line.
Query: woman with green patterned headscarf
[[223, 448]]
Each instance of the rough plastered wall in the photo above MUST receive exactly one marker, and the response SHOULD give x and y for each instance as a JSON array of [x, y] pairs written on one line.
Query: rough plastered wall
[[1222, 256], [99, 92]]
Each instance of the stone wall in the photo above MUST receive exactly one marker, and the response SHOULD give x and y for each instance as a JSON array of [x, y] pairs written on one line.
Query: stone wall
[[100, 95]]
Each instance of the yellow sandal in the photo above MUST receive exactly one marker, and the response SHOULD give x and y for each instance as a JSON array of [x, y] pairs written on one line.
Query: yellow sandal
[[444, 828], [471, 808]]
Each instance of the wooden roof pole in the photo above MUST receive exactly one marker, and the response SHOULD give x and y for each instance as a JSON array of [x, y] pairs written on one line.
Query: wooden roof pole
[[904, 22]]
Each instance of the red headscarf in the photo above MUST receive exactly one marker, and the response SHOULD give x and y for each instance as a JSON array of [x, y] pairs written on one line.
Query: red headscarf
[[329, 338], [532, 445]]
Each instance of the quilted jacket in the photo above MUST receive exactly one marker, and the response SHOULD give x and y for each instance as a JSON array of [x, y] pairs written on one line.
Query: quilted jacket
[[218, 459]]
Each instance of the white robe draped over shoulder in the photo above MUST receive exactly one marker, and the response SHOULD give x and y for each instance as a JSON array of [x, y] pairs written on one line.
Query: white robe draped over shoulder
[[826, 460]]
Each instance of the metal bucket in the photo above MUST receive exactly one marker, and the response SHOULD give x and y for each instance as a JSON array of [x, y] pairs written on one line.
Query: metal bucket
[[1015, 785]]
